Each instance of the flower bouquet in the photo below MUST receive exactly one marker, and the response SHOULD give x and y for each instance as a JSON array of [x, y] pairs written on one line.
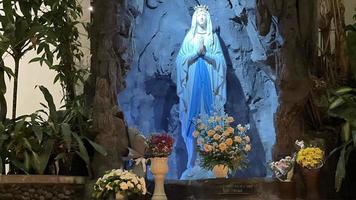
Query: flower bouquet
[[160, 146], [310, 157], [118, 181], [283, 169], [220, 144]]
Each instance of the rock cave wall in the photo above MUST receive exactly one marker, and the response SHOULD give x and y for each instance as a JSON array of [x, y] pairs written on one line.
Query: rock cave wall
[[149, 101]]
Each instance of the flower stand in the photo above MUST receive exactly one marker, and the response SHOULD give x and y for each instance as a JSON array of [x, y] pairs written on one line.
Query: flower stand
[[220, 171], [159, 169]]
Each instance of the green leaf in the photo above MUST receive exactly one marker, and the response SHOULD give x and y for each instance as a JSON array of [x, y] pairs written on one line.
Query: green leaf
[[67, 135], [40, 160], [35, 59], [49, 98], [354, 137], [60, 156], [27, 144], [38, 132], [336, 103], [83, 153], [344, 90], [19, 125], [97, 147], [8, 72], [7, 6], [27, 161], [340, 170], [346, 132]]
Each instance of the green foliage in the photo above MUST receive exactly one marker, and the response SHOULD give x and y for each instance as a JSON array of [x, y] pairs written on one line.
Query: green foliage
[[343, 106], [50, 28], [30, 142], [351, 44], [22, 148]]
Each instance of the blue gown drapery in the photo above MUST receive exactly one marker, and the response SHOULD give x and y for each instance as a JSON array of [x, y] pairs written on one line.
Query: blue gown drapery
[[202, 97]]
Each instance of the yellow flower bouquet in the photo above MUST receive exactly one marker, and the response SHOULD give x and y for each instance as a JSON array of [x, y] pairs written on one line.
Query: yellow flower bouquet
[[310, 157], [220, 143]]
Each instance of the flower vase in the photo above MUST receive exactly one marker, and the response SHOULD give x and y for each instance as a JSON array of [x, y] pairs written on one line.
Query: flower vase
[[311, 181], [287, 187], [220, 171], [120, 196], [159, 169]]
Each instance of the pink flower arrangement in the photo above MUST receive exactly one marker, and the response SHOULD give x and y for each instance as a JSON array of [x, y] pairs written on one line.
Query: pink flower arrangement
[[160, 145], [283, 169]]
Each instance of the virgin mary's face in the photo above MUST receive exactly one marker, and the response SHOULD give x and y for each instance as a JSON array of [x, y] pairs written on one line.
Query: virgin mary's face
[[201, 19]]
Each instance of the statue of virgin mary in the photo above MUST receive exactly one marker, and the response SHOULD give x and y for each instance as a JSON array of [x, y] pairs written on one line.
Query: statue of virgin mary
[[201, 81]]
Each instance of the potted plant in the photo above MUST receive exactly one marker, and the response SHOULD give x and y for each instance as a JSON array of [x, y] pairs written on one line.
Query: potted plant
[[160, 146], [310, 159], [119, 183], [283, 170], [343, 106], [221, 146], [29, 142]]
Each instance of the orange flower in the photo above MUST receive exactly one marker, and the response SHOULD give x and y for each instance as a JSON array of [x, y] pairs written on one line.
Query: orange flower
[[211, 133], [207, 148], [216, 137], [230, 129], [226, 133], [229, 142], [222, 146]]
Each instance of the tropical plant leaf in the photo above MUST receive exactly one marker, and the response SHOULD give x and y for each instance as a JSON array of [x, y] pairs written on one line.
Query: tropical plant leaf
[[49, 98], [40, 161], [336, 103], [67, 135], [83, 153], [27, 144], [340, 170], [346, 132], [18, 126], [27, 162], [97, 147], [8, 72], [60, 156], [38, 132], [346, 111], [344, 90], [35, 59]]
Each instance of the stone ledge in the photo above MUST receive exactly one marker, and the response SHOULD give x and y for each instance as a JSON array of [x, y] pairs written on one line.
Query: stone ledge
[[42, 179]]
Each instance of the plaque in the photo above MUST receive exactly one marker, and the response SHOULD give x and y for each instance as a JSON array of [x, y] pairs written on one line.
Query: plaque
[[239, 189]]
